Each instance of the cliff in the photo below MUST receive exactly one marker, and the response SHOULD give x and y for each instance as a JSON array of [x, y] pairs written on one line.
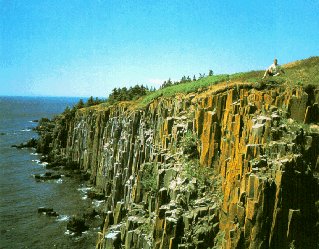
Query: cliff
[[234, 165]]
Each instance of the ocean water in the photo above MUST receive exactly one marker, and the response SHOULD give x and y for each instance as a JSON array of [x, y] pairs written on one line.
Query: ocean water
[[20, 195]]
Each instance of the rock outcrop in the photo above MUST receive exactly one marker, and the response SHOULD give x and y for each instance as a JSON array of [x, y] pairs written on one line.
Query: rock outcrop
[[229, 167]]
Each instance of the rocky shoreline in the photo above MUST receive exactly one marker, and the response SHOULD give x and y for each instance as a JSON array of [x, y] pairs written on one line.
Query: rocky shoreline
[[79, 222], [56, 170]]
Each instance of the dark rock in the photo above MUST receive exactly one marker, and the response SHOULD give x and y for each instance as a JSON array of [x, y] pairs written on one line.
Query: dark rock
[[47, 211], [44, 210], [54, 177], [52, 214], [71, 165], [77, 225], [90, 214], [37, 176], [85, 177], [52, 166], [32, 143], [47, 176], [96, 195]]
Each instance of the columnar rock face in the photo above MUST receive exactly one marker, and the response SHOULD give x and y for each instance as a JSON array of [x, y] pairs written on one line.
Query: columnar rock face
[[252, 182]]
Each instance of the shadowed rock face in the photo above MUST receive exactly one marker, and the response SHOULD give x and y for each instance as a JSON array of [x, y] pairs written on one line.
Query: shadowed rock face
[[77, 225], [256, 185]]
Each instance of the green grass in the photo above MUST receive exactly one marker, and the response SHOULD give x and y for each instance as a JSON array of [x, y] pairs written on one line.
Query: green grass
[[184, 88], [303, 72]]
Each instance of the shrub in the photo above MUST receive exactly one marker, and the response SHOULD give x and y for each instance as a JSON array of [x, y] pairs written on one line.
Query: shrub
[[193, 169], [189, 145], [148, 176], [124, 94], [218, 240]]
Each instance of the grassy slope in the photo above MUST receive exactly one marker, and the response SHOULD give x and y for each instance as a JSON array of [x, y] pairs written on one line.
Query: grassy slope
[[184, 88], [299, 72]]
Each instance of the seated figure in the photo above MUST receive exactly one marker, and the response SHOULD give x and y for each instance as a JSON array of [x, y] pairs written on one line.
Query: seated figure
[[274, 70]]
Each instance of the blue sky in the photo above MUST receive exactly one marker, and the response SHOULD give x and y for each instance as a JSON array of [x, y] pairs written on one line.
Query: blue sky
[[88, 47]]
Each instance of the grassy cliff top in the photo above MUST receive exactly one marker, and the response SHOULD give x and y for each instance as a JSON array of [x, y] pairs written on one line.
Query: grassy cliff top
[[302, 72]]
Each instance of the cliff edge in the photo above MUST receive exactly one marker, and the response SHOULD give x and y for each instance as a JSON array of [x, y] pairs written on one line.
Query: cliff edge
[[231, 165]]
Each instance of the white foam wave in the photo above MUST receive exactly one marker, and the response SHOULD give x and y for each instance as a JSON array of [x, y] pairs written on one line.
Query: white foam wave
[[34, 154], [63, 218], [97, 203], [84, 189], [68, 232], [59, 181], [26, 130]]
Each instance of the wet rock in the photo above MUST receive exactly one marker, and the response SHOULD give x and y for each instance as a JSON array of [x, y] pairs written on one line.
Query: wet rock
[[53, 214], [47, 176], [96, 195], [47, 211], [90, 214], [44, 209], [32, 143], [77, 225]]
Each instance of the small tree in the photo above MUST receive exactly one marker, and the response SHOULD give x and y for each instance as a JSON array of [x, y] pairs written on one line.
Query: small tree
[[201, 75], [90, 101], [183, 80], [210, 73], [80, 104]]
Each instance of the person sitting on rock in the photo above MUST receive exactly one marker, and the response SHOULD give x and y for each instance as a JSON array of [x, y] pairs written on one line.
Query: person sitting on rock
[[274, 69]]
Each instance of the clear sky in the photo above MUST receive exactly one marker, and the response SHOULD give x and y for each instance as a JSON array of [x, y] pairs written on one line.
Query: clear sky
[[88, 47]]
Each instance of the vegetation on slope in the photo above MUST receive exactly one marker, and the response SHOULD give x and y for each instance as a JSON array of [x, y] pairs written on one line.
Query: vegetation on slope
[[187, 87], [124, 94], [303, 72]]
